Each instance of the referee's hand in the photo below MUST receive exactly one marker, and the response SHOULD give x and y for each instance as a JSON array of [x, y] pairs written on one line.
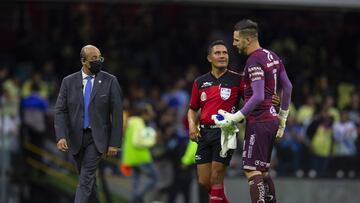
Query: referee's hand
[[194, 133]]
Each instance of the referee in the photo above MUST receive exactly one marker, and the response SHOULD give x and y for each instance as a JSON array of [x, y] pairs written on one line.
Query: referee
[[218, 89]]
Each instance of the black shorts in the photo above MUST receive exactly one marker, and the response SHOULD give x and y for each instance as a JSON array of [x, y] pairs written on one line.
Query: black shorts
[[209, 147]]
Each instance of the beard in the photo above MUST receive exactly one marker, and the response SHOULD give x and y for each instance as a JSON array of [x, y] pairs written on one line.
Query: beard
[[241, 51]]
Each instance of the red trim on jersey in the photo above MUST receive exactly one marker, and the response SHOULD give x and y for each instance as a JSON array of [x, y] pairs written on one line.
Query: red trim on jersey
[[195, 99]]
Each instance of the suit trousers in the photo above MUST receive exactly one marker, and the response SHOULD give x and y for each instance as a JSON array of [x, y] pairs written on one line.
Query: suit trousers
[[87, 162]]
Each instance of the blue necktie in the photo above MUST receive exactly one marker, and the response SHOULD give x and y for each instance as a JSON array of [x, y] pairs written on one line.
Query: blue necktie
[[87, 101]]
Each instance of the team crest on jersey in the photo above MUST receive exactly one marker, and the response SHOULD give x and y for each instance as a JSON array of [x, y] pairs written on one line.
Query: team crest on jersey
[[203, 96], [225, 93]]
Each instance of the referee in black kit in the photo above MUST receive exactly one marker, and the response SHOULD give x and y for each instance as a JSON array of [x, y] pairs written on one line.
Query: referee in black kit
[[218, 89]]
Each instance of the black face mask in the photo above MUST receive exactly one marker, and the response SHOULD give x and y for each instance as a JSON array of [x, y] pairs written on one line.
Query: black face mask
[[95, 66]]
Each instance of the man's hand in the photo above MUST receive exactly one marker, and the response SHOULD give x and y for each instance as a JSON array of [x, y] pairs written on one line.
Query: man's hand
[[194, 133], [226, 126], [220, 121], [112, 151], [275, 100], [283, 114], [232, 118], [62, 145]]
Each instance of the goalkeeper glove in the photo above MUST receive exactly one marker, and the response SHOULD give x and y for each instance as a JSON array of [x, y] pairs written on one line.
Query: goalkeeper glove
[[220, 121], [283, 114], [232, 117]]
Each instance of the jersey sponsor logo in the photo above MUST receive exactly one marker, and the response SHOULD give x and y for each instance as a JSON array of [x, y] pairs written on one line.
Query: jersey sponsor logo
[[256, 73], [260, 163], [233, 109], [244, 152], [276, 62], [225, 93], [255, 79], [206, 84], [249, 155], [268, 198], [273, 111], [251, 144], [255, 68], [197, 157], [252, 139], [203, 96]]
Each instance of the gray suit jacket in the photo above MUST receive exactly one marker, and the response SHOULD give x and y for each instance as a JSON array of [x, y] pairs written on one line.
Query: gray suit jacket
[[105, 111]]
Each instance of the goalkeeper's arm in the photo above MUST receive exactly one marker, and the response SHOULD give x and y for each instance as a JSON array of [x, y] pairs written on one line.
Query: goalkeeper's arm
[[285, 102]]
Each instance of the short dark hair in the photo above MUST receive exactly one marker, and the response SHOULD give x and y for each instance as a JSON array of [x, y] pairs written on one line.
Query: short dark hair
[[247, 27], [214, 43]]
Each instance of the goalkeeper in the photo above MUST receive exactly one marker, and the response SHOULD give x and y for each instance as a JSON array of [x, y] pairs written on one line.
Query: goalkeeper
[[262, 72]]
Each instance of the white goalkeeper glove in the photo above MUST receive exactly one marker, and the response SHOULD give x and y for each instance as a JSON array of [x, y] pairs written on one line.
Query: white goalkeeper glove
[[232, 118], [220, 121], [283, 114], [226, 126]]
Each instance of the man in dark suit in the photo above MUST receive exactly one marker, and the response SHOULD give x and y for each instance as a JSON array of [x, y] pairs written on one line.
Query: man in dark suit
[[88, 119]]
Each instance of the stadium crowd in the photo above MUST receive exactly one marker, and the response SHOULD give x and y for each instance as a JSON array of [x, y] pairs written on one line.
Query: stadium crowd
[[156, 51]]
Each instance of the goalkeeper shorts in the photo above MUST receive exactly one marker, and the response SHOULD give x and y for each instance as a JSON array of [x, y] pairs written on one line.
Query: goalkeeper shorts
[[258, 144]]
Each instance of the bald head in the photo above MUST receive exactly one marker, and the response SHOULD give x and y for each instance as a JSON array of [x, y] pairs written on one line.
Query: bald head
[[88, 51], [90, 54]]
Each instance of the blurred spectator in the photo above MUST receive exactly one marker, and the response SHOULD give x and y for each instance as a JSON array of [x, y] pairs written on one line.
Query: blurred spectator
[[178, 99], [321, 143], [292, 148], [354, 108], [51, 81], [10, 92], [33, 116], [136, 156], [328, 105], [188, 163], [345, 149], [322, 89], [344, 94], [345, 136], [181, 182], [306, 111], [35, 80], [9, 119]]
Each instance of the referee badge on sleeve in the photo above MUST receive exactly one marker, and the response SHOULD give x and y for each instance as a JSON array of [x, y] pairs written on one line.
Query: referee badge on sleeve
[[225, 93]]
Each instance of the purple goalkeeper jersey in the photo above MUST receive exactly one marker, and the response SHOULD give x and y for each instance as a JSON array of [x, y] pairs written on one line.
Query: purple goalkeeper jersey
[[263, 65]]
